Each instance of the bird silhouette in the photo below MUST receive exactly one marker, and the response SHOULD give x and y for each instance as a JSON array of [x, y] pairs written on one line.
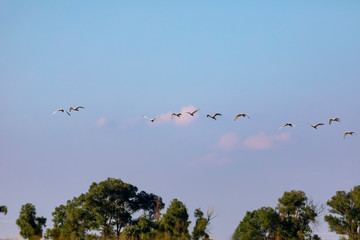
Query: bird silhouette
[[316, 125], [61, 110], [192, 113], [349, 133], [76, 109], [214, 116], [151, 119], [241, 115], [288, 124], [333, 120], [175, 114]]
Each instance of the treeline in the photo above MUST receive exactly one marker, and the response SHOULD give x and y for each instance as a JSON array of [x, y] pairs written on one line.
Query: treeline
[[113, 209], [108, 210]]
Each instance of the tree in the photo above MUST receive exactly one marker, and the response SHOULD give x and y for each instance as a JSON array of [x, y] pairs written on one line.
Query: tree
[[259, 224], [346, 210], [201, 226], [291, 220], [3, 209], [31, 227], [175, 220], [113, 202], [297, 213], [71, 221]]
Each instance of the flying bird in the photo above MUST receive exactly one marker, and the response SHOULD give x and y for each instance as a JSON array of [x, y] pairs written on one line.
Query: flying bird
[[151, 119], [241, 115], [76, 109], [61, 110], [349, 133], [316, 125], [214, 116], [192, 113], [333, 120], [175, 114], [288, 124]]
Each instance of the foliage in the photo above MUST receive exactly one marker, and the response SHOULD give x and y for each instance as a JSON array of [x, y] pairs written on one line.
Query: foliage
[[291, 220], [259, 224], [31, 227], [3, 209], [346, 210], [200, 230]]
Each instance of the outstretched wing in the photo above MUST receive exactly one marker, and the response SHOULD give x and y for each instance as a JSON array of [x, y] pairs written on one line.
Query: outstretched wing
[[155, 118], [146, 117], [55, 111], [195, 111], [237, 116], [330, 120], [77, 108], [217, 114]]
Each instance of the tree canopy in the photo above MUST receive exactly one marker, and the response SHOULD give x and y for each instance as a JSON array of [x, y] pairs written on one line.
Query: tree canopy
[[290, 220], [3, 209], [31, 227], [345, 213]]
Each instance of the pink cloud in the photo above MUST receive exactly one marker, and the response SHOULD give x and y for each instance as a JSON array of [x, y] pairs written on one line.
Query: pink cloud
[[263, 141], [228, 141], [184, 119], [210, 159], [101, 122]]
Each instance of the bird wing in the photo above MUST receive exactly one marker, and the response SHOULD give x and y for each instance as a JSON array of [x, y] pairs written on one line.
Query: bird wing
[[330, 120], [237, 116], [319, 124], [79, 107], [146, 117], [155, 117], [67, 113], [217, 114], [55, 111], [346, 134], [71, 108], [195, 111], [172, 115]]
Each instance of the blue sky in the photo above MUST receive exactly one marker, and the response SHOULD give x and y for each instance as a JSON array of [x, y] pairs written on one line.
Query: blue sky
[[278, 61]]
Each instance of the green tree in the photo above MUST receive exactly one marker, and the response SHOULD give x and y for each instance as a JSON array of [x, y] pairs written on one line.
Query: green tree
[[297, 213], [202, 223], [71, 221], [113, 202], [3, 209], [259, 224], [31, 227], [175, 221], [291, 220], [346, 209]]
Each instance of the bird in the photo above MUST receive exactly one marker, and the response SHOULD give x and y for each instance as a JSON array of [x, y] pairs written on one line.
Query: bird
[[288, 124], [175, 114], [316, 125], [76, 109], [333, 120], [241, 115], [214, 116], [61, 110], [349, 133], [192, 113], [151, 119]]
